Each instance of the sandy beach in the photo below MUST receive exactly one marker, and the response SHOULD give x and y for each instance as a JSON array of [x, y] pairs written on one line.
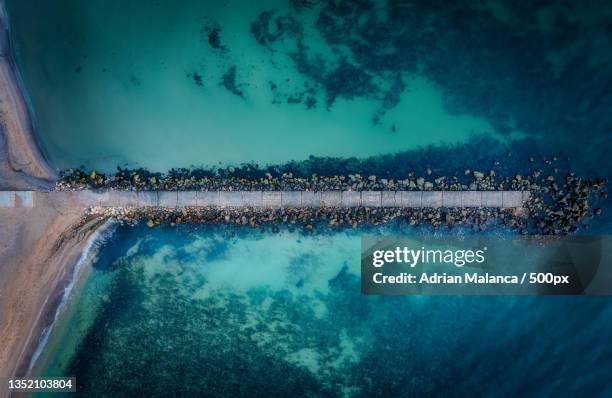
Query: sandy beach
[[38, 247], [22, 163], [37, 244]]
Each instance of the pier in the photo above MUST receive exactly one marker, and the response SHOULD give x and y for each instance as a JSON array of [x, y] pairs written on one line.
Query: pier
[[273, 199]]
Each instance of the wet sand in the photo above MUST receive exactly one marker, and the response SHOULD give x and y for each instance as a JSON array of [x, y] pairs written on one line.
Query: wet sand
[[38, 244], [22, 163]]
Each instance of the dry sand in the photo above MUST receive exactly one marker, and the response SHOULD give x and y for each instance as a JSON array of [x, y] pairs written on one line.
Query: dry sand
[[37, 248], [38, 245]]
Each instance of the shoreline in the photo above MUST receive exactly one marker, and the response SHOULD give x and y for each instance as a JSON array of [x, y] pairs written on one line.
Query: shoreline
[[24, 164], [57, 300], [39, 246], [35, 269]]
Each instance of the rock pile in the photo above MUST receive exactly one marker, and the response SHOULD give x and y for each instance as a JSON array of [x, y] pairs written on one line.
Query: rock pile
[[310, 218], [556, 205]]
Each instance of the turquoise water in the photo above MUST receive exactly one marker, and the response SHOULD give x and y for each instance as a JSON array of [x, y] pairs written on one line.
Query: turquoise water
[[154, 84], [182, 311], [116, 86]]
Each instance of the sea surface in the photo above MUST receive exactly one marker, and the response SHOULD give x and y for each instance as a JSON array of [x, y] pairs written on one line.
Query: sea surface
[[270, 81], [113, 82], [164, 84], [238, 312]]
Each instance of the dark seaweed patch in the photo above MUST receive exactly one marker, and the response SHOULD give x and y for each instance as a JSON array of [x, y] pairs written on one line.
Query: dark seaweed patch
[[266, 29], [260, 29], [487, 67], [348, 81], [228, 80], [197, 78], [311, 102], [214, 38]]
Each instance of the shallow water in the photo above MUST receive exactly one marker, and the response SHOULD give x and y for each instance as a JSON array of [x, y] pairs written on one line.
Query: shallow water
[[153, 84], [242, 313], [117, 86]]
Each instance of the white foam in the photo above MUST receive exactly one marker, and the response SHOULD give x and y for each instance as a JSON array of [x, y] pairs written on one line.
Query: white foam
[[92, 245]]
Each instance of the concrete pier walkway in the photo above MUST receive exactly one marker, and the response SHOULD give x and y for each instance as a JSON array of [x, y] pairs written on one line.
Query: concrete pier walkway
[[271, 199]]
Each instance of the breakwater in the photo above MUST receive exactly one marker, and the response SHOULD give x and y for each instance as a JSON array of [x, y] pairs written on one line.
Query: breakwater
[[535, 211], [555, 200], [272, 199]]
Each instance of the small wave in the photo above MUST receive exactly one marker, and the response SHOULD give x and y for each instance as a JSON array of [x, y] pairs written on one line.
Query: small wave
[[94, 243]]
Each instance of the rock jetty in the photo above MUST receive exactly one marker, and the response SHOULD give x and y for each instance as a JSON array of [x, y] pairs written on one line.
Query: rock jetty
[[555, 206]]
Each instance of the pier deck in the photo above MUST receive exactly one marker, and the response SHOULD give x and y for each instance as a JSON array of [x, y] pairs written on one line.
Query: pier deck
[[272, 199]]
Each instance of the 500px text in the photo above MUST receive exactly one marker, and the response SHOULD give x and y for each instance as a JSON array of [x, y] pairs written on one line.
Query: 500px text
[[472, 278]]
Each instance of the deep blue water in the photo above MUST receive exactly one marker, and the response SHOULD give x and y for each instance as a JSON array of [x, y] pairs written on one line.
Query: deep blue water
[[216, 311]]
